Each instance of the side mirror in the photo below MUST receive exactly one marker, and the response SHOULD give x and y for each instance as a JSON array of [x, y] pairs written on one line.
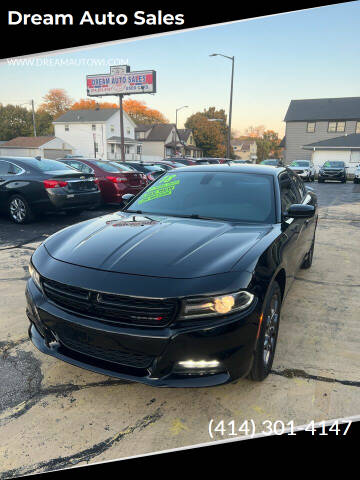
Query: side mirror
[[127, 197], [298, 210]]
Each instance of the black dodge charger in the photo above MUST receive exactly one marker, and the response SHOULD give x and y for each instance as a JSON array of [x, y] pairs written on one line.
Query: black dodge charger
[[30, 185], [183, 287]]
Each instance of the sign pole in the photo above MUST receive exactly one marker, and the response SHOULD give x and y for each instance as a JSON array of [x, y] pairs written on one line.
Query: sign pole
[[122, 146]]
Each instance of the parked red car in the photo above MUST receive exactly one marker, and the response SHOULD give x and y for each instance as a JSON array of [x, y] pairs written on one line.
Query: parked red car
[[113, 180]]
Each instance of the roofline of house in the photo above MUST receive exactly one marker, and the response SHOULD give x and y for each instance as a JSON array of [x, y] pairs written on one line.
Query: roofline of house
[[308, 147], [334, 119], [22, 147], [98, 121]]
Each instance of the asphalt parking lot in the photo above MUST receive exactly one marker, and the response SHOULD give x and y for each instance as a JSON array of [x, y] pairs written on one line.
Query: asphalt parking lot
[[54, 415]]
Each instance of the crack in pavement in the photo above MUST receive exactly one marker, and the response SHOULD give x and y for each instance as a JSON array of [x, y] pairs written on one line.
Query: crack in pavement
[[5, 347], [22, 244], [331, 284], [57, 390], [297, 373], [84, 455]]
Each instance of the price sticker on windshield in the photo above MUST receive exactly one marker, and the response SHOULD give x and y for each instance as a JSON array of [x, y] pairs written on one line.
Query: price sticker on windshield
[[162, 188]]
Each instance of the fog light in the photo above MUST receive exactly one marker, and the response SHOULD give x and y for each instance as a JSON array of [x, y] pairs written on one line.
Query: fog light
[[199, 364], [198, 367]]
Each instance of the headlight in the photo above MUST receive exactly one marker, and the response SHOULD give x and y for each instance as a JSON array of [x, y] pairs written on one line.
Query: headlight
[[35, 276], [215, 306]]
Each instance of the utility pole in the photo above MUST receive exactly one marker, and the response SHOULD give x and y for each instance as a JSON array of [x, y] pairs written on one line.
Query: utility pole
[[33, 117], [230, 109], [228, 149], [122, 145]]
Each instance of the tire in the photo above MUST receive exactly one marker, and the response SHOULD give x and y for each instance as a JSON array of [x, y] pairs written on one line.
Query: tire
[[266, 344], [309, 256], [320, 181], [356, 180], [19, 210]]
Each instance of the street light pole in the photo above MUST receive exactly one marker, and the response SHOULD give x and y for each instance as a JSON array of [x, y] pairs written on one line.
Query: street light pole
[[228, 150], [176, 117]]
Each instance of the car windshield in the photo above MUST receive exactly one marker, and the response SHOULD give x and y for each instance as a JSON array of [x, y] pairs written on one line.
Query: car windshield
[[108, 167], [125, 168], [269, 162], [214, 195], [300, 163], [153, 168], [46, 165], [334, 164]]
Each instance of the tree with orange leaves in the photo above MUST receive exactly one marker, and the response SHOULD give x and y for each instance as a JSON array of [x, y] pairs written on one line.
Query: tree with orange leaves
[[56, 102], [90, 104], [141, 113]]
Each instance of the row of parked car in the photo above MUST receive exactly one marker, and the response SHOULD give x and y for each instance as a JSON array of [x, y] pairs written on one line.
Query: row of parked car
[[333, 170], [30, 186]]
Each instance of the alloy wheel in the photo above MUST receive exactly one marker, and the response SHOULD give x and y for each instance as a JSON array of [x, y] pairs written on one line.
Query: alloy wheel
[[18, 210], [271, 327]]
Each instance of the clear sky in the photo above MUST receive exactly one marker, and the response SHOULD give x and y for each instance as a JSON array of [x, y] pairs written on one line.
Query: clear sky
[[307, 54]]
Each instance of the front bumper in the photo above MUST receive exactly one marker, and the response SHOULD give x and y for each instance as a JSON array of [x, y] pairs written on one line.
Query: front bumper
[[332, 176], [231, 341]]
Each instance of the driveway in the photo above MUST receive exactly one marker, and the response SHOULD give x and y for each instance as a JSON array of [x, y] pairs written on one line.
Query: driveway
[[54, 415]]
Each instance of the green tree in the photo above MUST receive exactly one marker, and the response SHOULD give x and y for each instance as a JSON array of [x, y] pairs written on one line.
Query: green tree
[[43, 121], [268, 146], [209, 135], [15, 121]]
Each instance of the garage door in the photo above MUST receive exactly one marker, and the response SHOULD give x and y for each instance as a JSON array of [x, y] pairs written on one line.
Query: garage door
[[321, 156], [55, 153]]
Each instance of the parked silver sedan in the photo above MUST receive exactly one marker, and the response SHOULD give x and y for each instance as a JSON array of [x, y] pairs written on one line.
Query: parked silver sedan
[[304, 168], [357, 174]]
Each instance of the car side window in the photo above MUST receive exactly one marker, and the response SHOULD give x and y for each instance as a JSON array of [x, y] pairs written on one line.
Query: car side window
[[288, 192], [5, 168], [14, 169], [300, 187], [82, 167]]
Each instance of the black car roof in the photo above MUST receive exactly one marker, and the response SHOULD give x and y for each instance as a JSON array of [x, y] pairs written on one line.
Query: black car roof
[[237, 168]]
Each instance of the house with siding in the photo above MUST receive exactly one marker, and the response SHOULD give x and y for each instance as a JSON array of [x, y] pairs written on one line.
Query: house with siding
[[245, 149], [189, 145], [96, 133], [42, 146], [311, 122]]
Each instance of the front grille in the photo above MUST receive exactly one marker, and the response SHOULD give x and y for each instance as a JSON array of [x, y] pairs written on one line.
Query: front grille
[[135, 360], [111, 308]]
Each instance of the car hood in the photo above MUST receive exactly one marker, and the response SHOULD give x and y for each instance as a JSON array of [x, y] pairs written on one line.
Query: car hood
[[337, 169], [155, 246]]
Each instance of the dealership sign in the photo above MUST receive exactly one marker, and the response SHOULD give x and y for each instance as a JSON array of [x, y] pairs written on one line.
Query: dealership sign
[[121, 83]]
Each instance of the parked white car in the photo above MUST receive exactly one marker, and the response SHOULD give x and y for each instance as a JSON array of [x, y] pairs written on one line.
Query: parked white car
[[357, 174], [304, 168]]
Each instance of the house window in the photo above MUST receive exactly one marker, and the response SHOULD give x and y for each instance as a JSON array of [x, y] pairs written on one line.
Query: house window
[[112, 148], [93, 127], [140, 135], [138, 149], [128, 131], [310, 127], [96, 147], [66, 128], [127, 148], [112, 128], [357, 130], [334, 127]]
